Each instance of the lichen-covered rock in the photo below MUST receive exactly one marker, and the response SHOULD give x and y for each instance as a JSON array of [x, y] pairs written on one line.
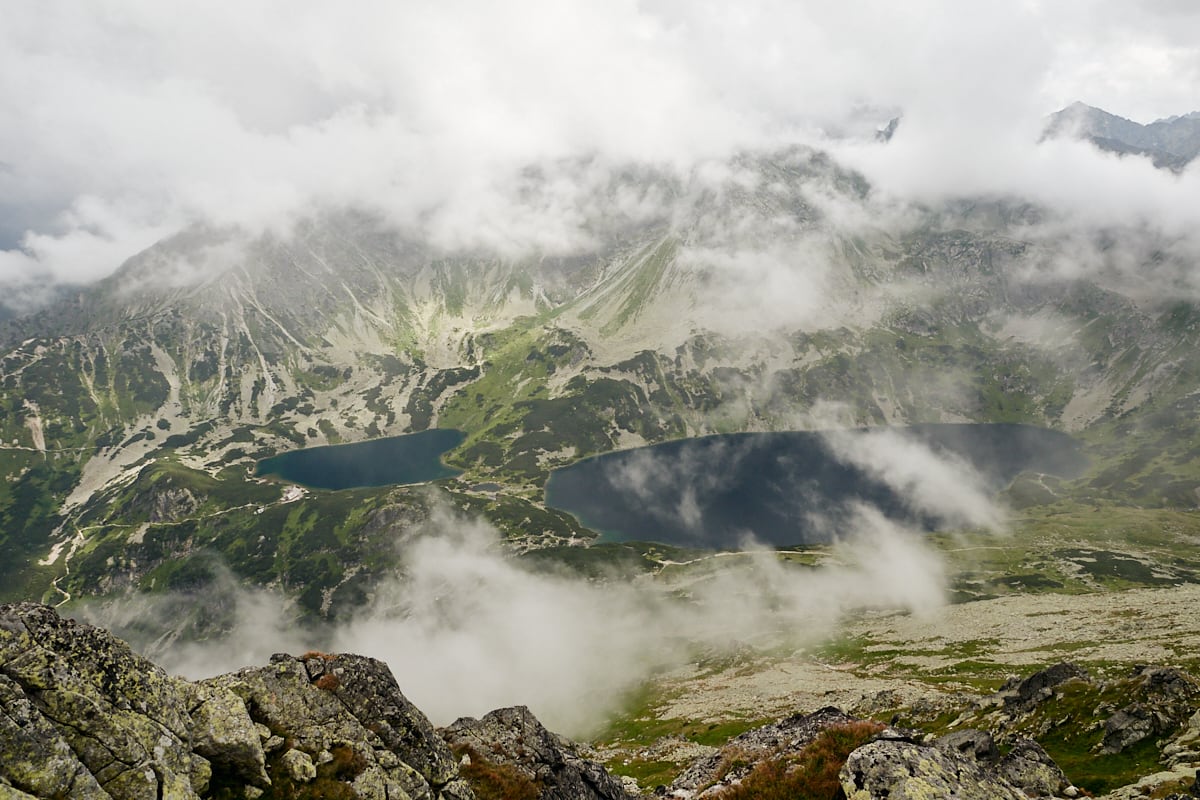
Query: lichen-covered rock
[[514, 738], [223, 732], [122, 718], [83, 716], [1026, 766], [350, 719], [900, 770], [299, 766], [34, 755], [369, 691], [9, 793], [1031, 769]]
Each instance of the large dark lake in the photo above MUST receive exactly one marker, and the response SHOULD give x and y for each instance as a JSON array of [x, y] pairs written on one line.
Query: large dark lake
[[791, 488], [413, 458]]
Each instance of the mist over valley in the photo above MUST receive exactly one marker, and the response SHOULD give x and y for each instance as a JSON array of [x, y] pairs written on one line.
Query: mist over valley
[[671, 372]]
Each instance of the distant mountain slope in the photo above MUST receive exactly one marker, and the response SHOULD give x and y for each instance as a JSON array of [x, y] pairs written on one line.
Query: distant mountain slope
[[1171, 143], [134, 412]]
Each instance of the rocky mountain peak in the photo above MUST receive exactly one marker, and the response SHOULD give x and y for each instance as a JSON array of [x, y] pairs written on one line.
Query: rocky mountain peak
[[1171, 143]]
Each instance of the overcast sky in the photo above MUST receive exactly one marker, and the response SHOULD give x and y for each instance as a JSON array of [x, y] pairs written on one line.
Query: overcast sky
[[125, 120]]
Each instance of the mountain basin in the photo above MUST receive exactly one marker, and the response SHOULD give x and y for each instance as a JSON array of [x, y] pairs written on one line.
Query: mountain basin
[[390, 461], [799, 487]]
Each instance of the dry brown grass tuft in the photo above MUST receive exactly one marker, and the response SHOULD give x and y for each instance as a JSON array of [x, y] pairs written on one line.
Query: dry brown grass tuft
[[317, 654], [812, 774], [492, 781], [328, 682]]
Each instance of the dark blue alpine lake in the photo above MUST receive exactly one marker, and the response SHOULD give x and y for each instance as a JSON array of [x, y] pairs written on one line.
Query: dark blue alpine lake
[[786, 488], [396, 460]]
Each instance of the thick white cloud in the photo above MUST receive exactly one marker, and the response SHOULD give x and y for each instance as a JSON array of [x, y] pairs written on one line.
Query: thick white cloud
[[466, 630], [127, 118]]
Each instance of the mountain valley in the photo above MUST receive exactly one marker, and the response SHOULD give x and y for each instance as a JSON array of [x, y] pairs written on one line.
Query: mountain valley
[[771, 292]]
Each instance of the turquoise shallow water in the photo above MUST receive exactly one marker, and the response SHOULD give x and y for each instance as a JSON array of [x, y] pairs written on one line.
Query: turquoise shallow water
[[396, 460]]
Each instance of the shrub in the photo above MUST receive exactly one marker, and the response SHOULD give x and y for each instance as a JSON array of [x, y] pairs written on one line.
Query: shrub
[[812, 774], [347, 763], [492, 781], [315, 654]]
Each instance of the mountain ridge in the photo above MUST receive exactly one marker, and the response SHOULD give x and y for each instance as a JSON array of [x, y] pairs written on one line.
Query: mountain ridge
[[348, 331], [1171, 142]]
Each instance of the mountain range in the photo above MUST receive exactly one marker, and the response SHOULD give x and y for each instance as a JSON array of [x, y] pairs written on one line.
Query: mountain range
[[732, 298], [1171, 143]]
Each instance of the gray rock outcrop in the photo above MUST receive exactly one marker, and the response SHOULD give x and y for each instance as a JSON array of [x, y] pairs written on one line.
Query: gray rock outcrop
[[513, 738], [962, 766], [83, 716], [1022, 694], [342, 719], [87, 717], [900, 770]]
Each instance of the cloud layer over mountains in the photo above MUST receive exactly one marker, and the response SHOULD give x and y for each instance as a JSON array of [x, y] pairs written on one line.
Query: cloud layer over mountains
[[129, 120]]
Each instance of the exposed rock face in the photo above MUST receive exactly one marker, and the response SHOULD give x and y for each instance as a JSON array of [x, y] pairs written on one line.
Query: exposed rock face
[[979, 745], [1024, 694], [1031, 769], [342, 719], [83, 716], [963, 766], [1164, 695], [513, 737], [87, 717], [901, 770]]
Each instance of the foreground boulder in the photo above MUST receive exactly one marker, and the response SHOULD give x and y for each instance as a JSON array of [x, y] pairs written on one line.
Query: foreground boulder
[[333, 722], [511, 744], [963, 766], [83, 716], [87, 717]]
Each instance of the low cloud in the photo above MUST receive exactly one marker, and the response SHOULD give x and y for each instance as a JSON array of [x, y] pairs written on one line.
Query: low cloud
[[126, 126], [466, 629], [942, 485]]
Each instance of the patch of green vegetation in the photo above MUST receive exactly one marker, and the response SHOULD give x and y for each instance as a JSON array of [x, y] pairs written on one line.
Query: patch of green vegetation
[[648, 773], [29, 509], [329, 431], [639, 725], [641, 283]]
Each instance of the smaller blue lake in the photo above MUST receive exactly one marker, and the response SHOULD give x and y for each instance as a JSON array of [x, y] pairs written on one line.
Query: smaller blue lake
[[396, 460]]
